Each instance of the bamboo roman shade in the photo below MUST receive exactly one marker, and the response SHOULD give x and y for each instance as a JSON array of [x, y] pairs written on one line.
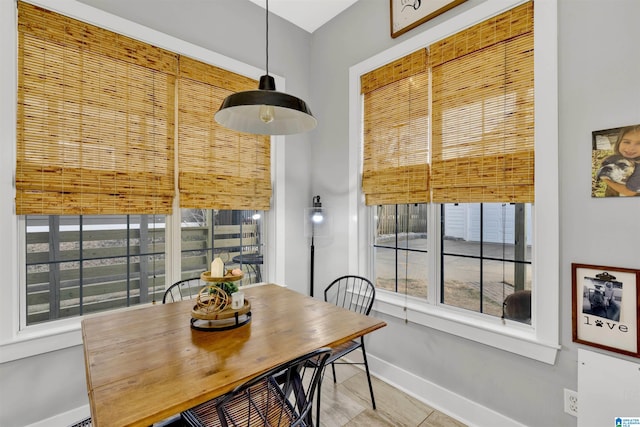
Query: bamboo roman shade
[[95, 131], [395, 124], [483, 111], [218, 168]]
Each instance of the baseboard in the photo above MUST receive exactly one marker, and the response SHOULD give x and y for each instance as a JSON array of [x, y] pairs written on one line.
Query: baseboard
[[65, 419], [471, 413]]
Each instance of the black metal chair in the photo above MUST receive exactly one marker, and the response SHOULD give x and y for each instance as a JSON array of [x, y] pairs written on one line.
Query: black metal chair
[[83, 423], [183, 289], [355, 293], [280, 397]]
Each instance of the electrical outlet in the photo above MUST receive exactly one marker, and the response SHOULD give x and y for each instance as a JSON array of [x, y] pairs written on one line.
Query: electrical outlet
[[571, 402]]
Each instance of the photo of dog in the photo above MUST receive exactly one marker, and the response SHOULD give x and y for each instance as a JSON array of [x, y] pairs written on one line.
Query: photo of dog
[[615, 162], [616, 168]]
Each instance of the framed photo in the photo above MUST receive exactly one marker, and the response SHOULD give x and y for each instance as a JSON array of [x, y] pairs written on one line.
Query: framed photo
[[408, 14], [615, 162], [605, 304]]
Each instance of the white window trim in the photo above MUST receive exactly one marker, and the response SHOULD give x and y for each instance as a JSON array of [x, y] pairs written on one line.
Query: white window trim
[[17, 342], [541, 340]]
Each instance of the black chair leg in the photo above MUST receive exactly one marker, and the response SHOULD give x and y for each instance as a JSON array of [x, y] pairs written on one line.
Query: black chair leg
[[366, 367], [333, 368], [319, 391]]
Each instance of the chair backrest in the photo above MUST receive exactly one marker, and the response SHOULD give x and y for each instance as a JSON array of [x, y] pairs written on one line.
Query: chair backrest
[[184, 289], [517, 306], [355, 293], [282, 396]]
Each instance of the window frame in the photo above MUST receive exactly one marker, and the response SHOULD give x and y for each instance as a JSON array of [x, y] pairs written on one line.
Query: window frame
[[540, 341], [18, 341]]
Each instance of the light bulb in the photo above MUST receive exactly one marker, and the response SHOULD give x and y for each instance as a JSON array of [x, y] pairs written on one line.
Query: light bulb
[[317, 217], [266, 113]]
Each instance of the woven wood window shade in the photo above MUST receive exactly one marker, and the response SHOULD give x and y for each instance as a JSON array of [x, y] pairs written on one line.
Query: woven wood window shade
[[95, 131], [218, 168], [483, 112], [396, 117]]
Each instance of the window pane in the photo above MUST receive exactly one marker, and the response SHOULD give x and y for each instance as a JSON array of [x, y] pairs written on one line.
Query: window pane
[[196, 232], [84, 264], [461, 282], [486, 256], [234, 236], [385, 261], [400, 249], [460, 221], [412, 270]]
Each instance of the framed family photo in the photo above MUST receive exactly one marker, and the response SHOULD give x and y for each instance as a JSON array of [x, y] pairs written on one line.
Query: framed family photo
[[605, 304], [615, 162], [408, 14]]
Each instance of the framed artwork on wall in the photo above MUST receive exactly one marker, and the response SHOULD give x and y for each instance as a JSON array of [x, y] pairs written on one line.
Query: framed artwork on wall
[[408, 14], [615, 162], [605, 304]]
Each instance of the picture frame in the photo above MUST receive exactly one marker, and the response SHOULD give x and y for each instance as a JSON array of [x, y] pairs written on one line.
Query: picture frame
[[615, 169], [605, 306], [408, 14]]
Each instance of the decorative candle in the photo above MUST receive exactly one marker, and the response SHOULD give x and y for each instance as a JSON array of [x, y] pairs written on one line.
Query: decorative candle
[[237, 300], [217, 268]]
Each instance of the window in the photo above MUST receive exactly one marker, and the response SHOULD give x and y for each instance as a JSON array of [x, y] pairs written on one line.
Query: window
[[479, 132], [95, 169], [483, 255], [19, 341], [77, 265], [461, 189], [234, 236]]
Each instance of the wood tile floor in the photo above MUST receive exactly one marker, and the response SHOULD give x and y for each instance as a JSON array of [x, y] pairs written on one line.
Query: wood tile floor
[[347, 403]]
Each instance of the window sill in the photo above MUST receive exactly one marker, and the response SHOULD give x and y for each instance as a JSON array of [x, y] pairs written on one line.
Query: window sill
[[32, 342], [56, 335], [50, 336], [509, 336]]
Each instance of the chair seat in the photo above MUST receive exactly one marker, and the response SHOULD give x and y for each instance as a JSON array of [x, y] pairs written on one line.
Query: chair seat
[[338, 351], [204, 414], [343, 349], [267, 395]]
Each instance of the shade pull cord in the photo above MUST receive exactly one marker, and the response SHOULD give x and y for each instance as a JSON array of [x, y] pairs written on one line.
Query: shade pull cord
[[504, 283]]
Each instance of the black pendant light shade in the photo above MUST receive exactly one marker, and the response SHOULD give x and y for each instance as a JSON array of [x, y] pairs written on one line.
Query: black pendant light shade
[[265, 111]]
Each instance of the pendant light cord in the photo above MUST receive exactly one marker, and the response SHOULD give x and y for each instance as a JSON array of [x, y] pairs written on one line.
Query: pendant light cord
[[267, 38]]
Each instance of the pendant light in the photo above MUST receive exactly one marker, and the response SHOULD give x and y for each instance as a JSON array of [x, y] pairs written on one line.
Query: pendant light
[[265, 111]]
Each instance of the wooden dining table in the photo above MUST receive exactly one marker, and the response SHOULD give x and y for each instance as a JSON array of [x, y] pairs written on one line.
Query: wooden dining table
[[146, 364]]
